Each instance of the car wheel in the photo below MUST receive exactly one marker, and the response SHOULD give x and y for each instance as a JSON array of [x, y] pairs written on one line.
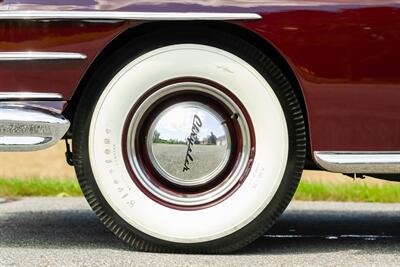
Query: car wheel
[[188, 142]]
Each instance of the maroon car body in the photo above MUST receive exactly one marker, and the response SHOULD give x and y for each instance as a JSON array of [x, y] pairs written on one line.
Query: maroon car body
[[344, 55]]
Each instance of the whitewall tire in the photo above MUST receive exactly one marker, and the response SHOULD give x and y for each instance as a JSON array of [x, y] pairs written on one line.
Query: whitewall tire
[[159, 191]]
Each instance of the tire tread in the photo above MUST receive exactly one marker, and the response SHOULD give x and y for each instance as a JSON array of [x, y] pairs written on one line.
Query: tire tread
[[255, 229]]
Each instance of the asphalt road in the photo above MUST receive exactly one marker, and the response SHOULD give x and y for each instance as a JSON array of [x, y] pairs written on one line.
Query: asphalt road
[[64, 232]]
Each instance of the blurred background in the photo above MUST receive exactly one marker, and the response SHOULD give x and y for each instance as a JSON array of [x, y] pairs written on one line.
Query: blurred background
[[46, 173]]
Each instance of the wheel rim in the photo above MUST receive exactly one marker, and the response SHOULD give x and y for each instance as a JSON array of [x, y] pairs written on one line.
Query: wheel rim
[[108, 142], [170, 169]]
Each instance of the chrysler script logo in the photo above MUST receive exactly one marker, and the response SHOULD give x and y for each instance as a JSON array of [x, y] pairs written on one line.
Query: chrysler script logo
[[191, 141]]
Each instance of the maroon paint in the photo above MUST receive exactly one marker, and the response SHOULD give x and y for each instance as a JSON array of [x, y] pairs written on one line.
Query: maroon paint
[[348, 64], [51, 76], [344, 54]]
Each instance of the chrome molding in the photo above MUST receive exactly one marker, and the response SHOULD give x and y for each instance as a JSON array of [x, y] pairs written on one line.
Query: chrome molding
[[22, 56], [116, 15], [13, 96], [26, 128], [359, 162]]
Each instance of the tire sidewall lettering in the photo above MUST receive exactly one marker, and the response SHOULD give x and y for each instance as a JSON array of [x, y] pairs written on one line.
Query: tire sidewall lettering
[[131, 204]]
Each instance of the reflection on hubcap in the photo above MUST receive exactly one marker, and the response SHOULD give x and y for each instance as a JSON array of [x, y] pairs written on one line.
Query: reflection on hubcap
[[189, 144]]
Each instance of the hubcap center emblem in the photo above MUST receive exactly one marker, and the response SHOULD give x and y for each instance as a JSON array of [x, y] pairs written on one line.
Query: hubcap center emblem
[[193, 139], [191, 132]]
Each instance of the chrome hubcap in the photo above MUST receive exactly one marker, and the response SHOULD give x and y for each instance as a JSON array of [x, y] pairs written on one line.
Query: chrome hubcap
[[189, 144]]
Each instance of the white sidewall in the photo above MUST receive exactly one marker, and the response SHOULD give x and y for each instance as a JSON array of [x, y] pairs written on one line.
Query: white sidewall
[[106, 153]]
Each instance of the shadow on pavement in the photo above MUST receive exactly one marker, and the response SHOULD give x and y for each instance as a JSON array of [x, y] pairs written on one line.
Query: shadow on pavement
[[321, 231], [297, 232], [56, 229]]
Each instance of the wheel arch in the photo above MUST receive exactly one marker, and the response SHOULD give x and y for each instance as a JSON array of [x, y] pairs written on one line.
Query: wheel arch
[[234, 29]]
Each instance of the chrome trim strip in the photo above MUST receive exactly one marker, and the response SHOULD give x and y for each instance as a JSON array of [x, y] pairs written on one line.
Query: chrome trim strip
[[26, 128], [359, 162], [21, 56], [55, 106], [13, 96], [106, 15]]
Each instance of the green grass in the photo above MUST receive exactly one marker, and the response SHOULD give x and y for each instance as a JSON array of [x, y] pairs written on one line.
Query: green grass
[[310, 191], [39, 187], [348, 192]]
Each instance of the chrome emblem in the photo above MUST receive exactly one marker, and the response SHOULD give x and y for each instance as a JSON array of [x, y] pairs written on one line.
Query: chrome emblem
[[188, 143], [192, 140]]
